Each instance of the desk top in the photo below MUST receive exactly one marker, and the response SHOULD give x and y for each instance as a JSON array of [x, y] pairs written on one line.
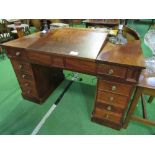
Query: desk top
[[86, 43], [72, 42], [129, 54]]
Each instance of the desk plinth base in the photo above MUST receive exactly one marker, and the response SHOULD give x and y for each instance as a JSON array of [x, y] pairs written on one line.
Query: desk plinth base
[[37, 99]]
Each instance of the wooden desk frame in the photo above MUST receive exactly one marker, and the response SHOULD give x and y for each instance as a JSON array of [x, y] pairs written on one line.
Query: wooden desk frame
[[116, 77]]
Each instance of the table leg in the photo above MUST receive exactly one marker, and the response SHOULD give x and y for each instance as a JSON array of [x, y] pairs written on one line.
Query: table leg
[[150, 99], [132, 106]]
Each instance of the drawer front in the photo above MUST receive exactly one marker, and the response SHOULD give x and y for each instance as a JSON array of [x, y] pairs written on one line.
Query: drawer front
[[81, 65], [24, 76], [112, 70], [39, 58], [119, 88], [29, 91], [16, 53], [112, 99], [108, 107], [57, 61], [21, 66], [26, 83], [107, 115]]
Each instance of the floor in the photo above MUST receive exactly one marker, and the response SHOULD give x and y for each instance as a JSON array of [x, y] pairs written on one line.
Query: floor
[[71, 116]]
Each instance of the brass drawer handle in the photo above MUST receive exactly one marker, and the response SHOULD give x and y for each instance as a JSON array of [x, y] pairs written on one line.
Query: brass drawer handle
[[111, 98], [110, 72], [106, 116], [23, 76], [113, 88], [18, 53], [20, 66], [109, 108]]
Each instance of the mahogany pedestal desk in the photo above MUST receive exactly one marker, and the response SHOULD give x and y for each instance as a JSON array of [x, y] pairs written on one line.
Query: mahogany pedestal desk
[[38, 61]]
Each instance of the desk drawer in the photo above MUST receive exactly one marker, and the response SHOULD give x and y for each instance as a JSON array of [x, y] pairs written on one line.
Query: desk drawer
[[108, 115], [57, 61], [28, 87], [29, 91], [81, 65], [39, 58], [24, 76], [21, 66], [119, 88], [26, 83], [112, 70], [109, 107], [16, 53], [112, 99]]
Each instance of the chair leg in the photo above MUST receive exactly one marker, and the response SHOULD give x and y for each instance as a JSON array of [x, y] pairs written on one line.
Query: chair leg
[[150, 99], [143, 106], [133, 104]]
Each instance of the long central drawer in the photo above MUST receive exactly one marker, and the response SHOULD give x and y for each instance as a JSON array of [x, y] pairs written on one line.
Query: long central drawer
[[81, 65]]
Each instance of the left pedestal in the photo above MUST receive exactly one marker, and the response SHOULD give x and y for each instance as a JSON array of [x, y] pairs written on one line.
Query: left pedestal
[[36, 81]]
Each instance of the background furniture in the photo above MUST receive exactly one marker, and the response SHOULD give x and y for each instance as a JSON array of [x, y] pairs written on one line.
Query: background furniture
[[4, 36], [101, 22], [146, 86], [43, 57], [22, 29]]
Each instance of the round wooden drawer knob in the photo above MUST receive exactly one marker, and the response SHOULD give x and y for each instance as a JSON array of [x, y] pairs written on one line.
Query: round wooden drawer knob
[[110, 72], [113, 88], [109, 108], [20, 66], [26, 84], [18, 53], [111, 98], [23, 76]]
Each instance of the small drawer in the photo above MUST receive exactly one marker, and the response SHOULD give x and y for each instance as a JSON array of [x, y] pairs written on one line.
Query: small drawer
[[39, 58], [24, 76], [29, 92], [28, 87], [27, 84], [21, 66], [112, 99], [108, 107], [16, 53], [108, 115], [57, 61], [112, 70], [81, 65], [119, 88]]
